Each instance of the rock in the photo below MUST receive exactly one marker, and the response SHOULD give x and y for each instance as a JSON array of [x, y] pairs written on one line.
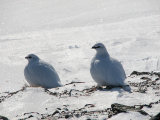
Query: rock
[[119, 108], [156, 117], [3, 118], [140, 73]]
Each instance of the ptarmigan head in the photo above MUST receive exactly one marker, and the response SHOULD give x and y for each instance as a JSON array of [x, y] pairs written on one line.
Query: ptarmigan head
[[101, 49], [98, 46], [32, 58]]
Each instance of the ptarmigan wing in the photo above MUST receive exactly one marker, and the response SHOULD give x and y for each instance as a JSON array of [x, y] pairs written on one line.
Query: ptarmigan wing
[[30, 79], [110, 71], [118, 70], [45, 74], [99, 72]]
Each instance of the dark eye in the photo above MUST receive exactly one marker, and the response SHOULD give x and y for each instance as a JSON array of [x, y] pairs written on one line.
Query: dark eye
[[97, 47]]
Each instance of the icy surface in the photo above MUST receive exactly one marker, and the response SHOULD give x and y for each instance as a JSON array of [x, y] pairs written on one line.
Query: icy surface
[[62, 33]]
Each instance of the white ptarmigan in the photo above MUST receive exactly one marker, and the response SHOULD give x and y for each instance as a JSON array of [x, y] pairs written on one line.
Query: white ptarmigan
[[40, 74], [105, 70]]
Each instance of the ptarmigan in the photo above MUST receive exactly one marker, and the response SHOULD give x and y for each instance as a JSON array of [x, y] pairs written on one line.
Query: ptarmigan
[[40, 74], [105, 70]]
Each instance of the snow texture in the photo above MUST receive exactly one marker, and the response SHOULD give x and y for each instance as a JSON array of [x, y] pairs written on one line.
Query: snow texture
[[62, 33]]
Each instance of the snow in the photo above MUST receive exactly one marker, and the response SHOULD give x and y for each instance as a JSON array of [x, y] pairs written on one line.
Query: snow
[[62, 33], [18, 16], [130, 116]]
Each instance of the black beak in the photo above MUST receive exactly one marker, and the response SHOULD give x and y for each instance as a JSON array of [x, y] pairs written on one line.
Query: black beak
[[28, 57]]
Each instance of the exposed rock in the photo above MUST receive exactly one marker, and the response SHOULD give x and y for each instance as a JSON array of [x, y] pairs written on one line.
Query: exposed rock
[[119, 108], [156, 117], [145, 73], [147, 82], [3, 118]]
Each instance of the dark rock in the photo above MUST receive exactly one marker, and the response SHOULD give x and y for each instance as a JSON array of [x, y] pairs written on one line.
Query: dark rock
[[157, 117], [147, 82], [145, 73], [55, 112], [145, 78], [67, 116], [119, 108], [3, 118], [30, 116], [157, 73], [142, 112], [140, 73]]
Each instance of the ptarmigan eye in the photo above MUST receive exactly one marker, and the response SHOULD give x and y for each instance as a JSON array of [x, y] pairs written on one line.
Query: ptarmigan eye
[[95, 47]]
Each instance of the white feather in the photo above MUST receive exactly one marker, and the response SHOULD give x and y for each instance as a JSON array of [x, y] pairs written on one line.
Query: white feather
[[40, 73], [106, 70]]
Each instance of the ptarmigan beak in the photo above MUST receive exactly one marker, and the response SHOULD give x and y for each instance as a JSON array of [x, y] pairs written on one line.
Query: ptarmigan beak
[[93, 47], [27, 57]]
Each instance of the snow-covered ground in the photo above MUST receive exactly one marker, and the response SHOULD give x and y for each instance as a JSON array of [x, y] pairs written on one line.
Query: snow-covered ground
[[62, 33]]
